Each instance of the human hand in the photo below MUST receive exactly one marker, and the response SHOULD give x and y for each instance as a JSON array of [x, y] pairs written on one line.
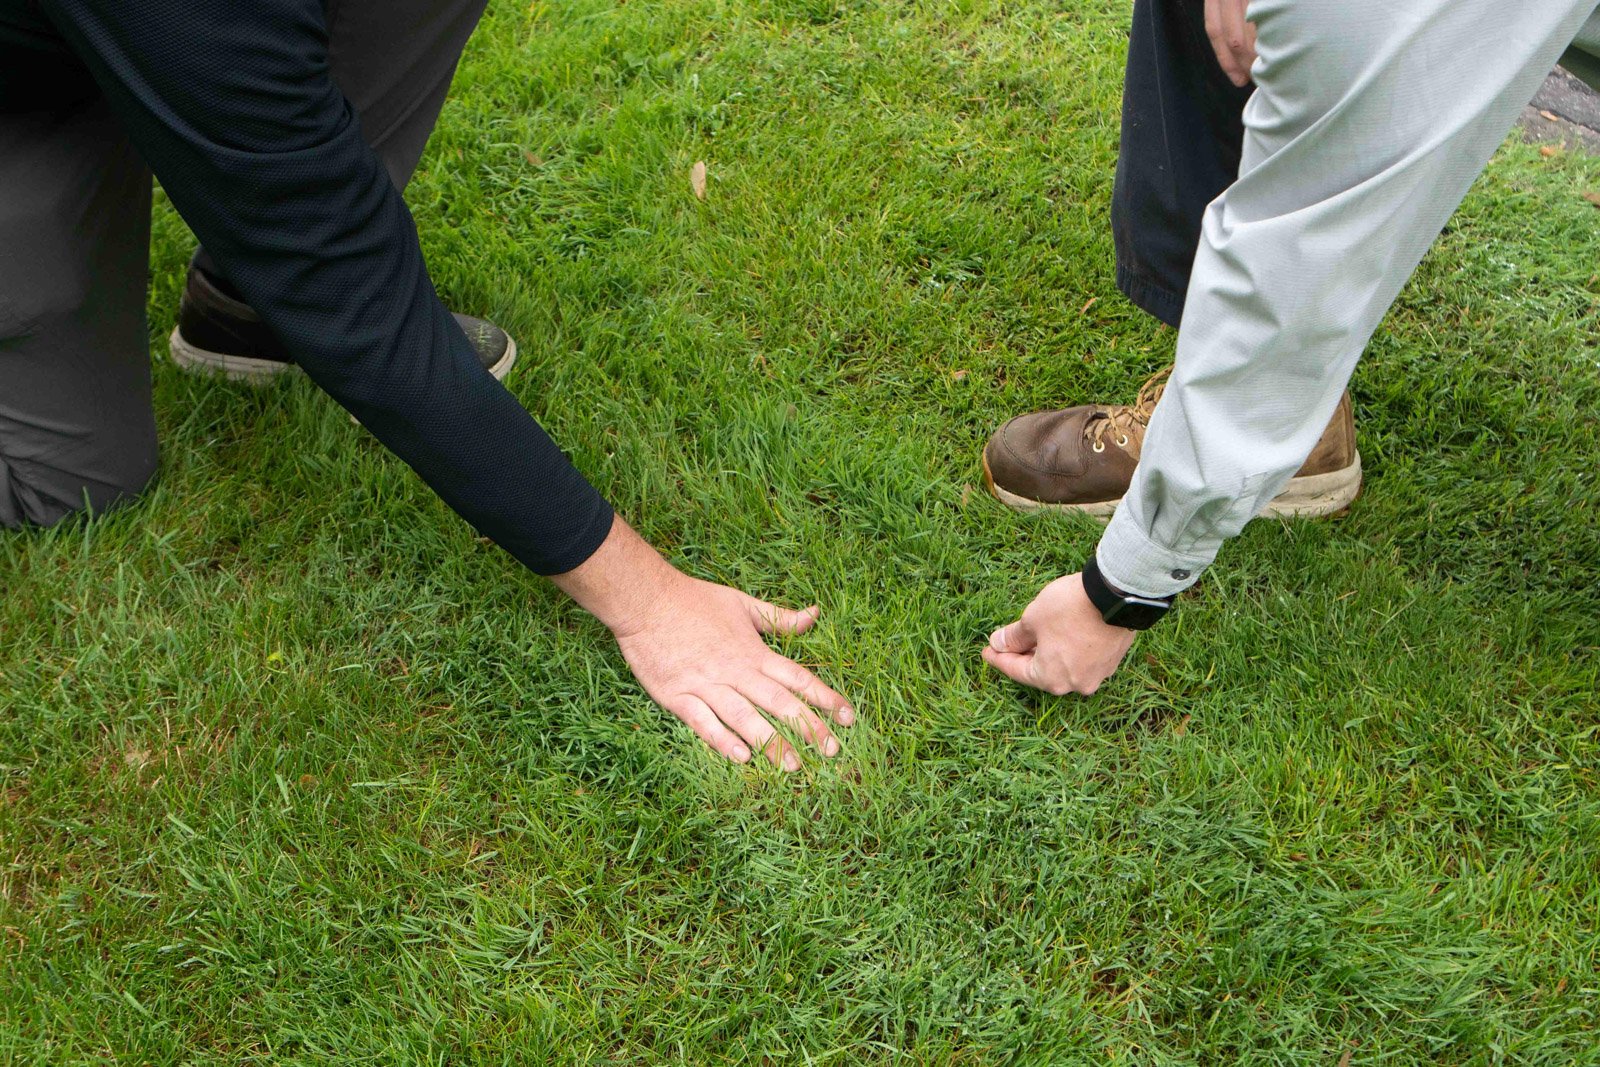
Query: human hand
[[697, 649], [699, 654], [1232, 37], [1061, 644]]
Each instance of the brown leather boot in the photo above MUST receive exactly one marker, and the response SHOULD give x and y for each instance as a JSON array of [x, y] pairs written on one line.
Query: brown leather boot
[[1082, 459]]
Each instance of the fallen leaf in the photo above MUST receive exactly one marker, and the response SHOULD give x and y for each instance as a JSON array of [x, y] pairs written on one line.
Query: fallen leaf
[[697, 178], [1551, 115], [534, 160], [1593, 198], [1182, 727], [958, 375], [1087, 304], [1344, 1061], [1549, 150]]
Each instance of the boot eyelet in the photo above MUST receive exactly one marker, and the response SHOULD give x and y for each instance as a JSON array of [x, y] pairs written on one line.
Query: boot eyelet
[[1122, 442], [1099, 446]]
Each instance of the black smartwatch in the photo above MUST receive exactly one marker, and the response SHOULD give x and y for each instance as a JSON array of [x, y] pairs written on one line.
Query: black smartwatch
[[1119, 608]]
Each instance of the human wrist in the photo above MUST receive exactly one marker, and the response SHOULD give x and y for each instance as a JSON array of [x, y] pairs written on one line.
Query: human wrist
[[623, 583], [1118, 607]]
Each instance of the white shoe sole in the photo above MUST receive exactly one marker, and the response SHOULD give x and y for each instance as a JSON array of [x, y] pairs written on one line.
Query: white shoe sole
[[1310, 496], [261, 371], [233, 368]]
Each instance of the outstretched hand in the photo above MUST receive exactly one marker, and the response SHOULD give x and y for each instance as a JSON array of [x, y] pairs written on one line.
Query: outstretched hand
[[1061, 644], [700, 655], [697, 649]]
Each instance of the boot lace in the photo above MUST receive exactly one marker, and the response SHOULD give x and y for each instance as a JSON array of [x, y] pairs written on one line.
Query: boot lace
[[1128, 422]]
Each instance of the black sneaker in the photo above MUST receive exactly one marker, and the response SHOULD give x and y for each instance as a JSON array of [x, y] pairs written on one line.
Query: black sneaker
[[220, 335]]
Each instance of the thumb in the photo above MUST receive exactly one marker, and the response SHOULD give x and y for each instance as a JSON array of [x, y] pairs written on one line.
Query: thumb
[[771, 619], [1016, 637]]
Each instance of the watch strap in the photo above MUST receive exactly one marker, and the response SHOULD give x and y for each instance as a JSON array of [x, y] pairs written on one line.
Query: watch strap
[[1118, 608], [1101, 595]]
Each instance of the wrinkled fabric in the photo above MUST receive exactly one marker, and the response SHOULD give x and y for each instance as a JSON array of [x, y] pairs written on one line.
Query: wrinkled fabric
[[234, 108], [1369, 122]]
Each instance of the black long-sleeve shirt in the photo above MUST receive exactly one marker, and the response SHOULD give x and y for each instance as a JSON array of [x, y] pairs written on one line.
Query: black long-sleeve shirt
[[232, 105]]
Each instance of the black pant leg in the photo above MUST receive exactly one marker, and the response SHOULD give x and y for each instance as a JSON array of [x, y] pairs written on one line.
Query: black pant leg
[[395, 59], [235, 109], [394, 62], [76, 425], [1182, 131]]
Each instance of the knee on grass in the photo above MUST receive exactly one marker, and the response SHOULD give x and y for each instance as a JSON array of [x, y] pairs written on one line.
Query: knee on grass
[[34, 494]]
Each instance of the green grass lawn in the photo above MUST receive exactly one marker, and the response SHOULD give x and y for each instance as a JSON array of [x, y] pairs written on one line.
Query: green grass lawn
[[294, 768]]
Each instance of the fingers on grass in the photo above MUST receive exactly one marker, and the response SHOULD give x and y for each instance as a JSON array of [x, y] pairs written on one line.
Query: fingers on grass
[[777, 701], [738, 713], [1014, 665], [1029, 669], [1018, 636], [807, 686], [705, 722], [771, 619], [782, 754]]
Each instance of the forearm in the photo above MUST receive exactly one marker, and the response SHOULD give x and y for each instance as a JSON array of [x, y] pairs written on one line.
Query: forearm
[[622, 581], [1367, 128], [264, 159]]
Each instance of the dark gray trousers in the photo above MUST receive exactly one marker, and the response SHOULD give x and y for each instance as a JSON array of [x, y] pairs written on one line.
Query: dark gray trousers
[[76, 425]]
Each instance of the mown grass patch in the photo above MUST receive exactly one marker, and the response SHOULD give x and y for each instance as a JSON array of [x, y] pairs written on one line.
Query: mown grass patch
[[294, 768]]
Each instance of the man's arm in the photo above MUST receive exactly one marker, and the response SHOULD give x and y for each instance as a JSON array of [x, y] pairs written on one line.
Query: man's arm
[[1369, 123], [234, 109]]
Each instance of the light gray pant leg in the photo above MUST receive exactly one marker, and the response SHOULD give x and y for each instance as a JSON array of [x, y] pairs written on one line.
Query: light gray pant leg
[[76, 426], [1369, 122]]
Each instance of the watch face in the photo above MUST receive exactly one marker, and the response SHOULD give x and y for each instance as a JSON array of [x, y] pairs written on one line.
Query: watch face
[[1134, 613]]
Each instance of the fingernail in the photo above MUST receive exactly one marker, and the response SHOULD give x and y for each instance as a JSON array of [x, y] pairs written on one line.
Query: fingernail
[[830, 747], [791, 762], [846, 716], [742, 754]]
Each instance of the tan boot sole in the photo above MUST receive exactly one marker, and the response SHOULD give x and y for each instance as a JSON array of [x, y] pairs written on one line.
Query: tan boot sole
[[1316, 496], [1309, 496], [1102, 510]]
